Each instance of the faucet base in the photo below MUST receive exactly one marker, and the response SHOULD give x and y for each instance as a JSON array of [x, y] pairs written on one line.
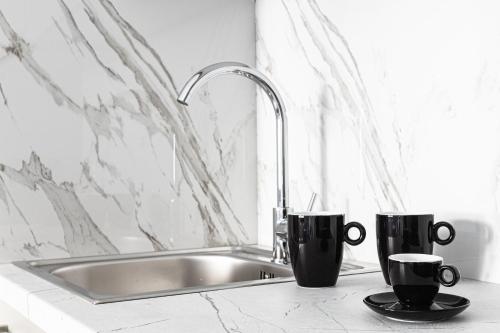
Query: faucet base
[[281, 254]]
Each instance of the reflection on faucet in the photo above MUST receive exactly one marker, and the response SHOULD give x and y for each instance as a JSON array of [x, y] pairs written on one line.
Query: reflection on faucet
[[280, 224]]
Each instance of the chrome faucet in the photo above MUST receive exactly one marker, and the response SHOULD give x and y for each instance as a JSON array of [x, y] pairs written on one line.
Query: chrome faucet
[[280, 223]]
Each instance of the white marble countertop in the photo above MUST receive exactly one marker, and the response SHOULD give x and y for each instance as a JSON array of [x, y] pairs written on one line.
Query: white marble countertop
[[272, 308]]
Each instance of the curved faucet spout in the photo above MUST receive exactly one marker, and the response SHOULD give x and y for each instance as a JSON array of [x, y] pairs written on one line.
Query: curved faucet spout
[[221, 68]]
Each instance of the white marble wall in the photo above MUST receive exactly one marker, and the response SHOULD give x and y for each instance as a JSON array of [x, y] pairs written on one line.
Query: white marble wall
[[96, 156], [393, 105]]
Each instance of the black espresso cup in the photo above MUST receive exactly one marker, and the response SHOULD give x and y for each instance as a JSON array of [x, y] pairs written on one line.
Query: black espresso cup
[[407, 233], [316, 244], [416, 278]]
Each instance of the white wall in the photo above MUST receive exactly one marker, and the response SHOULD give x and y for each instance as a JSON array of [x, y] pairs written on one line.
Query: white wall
[[393, 105], [96, 156]]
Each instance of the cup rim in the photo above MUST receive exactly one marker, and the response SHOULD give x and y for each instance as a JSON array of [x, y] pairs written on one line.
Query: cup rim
[[318, 213], [415, 258], [390, 214]]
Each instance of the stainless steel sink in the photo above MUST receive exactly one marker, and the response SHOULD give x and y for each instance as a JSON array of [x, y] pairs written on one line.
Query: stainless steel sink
[[106, 279]]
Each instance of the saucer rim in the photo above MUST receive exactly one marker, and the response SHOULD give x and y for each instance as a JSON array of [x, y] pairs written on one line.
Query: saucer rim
[[369, 304]]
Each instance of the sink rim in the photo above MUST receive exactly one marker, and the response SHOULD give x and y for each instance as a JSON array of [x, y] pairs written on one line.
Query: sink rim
[[44, 269]]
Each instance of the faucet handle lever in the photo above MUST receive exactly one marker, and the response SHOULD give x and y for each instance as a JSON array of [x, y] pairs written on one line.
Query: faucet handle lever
[[310, 206]]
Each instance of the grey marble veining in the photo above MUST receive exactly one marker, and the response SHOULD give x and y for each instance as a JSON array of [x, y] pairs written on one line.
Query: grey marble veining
[[81, 234], [392, 106], [97, 157], [346, 89]]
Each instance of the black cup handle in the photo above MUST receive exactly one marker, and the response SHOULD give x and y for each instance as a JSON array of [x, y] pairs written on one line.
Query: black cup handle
[[362, 233], [453, 270], [435, 235]]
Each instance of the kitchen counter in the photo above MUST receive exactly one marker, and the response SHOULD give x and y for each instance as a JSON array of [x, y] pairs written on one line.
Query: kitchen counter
[[281, 307]]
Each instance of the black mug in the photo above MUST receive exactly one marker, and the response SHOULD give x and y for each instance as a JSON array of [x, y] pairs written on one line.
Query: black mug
[[316, 244], [407, 233], [416, 278]]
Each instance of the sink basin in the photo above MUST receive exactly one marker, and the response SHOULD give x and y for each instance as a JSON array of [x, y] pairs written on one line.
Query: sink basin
[[106, 279]]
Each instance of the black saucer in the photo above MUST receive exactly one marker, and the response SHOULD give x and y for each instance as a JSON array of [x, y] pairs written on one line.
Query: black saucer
[[444, 307]]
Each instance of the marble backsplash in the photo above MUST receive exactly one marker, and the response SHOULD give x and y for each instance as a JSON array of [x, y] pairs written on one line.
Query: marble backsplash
[[96, 155], [393, 105]]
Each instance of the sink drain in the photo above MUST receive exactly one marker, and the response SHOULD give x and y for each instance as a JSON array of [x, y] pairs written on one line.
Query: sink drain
[[265, 275]]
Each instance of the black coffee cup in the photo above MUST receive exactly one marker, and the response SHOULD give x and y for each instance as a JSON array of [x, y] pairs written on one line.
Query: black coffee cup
[[407, 233], [316, 244], [416, 278]]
